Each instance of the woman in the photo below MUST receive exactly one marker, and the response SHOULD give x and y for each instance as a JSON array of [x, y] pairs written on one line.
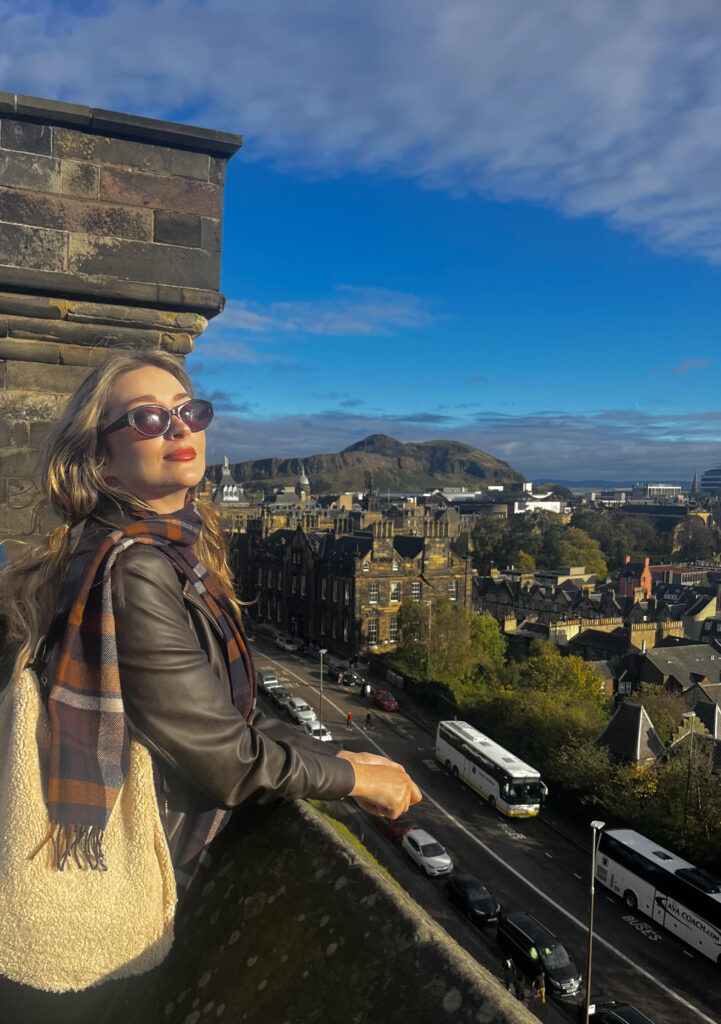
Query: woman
[[121, 468]]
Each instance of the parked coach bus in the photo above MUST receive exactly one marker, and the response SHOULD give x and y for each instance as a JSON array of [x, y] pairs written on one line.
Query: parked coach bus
[[676, 896], [509, 785]]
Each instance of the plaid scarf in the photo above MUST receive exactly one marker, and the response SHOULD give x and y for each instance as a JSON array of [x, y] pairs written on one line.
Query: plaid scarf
[[90, 744]]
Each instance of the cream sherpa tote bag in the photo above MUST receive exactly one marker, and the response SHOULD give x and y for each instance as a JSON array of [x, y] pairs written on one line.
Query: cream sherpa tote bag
[[67, 930]]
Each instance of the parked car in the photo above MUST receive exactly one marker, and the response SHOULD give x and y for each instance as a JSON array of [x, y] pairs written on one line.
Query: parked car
[[533, 948], [607, 1011], [286, 643], [467, 893], [318, 731], [280, 697], [394, 828], [335, 668], [267, 679], [385, 699], [300, 711], [351, 678], [427, 852]]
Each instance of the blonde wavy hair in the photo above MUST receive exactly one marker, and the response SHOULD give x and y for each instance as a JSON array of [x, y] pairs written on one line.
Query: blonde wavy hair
[[71, 482]]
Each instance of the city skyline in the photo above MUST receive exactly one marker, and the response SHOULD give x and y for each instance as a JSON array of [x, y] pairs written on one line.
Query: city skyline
[[458, 221]]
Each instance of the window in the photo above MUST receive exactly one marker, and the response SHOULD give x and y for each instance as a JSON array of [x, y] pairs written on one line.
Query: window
[[372, 631], [396, 565], [293, 583], [260, 575], [279, 579], [335, 591], [373, 593], [395, 591], [279, 612], [334, 626], [322, 624], [270, 577], [416, 591], [393, 630], [346, 592], [366, 567], [297, 557], [346, 629], [322, 589], [302, 584], [452, 590]]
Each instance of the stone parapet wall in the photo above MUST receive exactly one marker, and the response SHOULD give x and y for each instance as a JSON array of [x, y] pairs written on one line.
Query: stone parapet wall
[[294, 923]]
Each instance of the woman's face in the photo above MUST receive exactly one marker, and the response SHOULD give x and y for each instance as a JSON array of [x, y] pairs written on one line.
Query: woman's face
[[146, 466]]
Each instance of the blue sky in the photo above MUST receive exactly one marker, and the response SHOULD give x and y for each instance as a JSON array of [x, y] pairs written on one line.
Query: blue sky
[[498, 222]]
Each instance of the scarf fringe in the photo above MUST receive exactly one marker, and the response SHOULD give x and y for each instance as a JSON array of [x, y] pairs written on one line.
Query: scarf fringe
[[84, 843]]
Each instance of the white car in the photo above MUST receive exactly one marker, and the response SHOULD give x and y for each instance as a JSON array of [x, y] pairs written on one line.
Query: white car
[[285, 643], [267, 679], [300, 711], [427, 852], [318, 731]]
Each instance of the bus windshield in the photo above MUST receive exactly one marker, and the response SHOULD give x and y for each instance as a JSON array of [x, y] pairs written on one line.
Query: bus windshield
[[524, 791]]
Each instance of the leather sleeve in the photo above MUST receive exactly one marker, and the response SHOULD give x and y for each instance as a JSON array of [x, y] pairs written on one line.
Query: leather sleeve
[[179, 708]]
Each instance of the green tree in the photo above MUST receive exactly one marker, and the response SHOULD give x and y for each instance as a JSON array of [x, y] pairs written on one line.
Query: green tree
[[577, 548], [487, 642], [663, 707], [694, 540]]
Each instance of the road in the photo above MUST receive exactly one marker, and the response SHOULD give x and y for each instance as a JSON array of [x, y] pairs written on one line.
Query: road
[[527, 864]]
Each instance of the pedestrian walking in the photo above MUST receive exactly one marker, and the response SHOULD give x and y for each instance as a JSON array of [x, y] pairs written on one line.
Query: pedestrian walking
[[538, 988], [369, 721], [508, 972], [349, 720], [519, 985]]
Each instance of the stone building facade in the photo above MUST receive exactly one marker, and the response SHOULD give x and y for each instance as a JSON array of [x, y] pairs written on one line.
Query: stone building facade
[[345, 590], [110, 241]]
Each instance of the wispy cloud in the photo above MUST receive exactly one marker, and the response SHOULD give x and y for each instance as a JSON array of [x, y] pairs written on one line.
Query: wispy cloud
[[692, 364], [476, 380], [595, 108]]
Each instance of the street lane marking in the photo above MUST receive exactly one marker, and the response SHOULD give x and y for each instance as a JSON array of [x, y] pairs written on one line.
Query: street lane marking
[[431, 765], [577, 876], [539, 892]]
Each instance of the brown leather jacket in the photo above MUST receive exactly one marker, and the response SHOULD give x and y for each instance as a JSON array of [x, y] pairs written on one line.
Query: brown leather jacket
[[176, 693]]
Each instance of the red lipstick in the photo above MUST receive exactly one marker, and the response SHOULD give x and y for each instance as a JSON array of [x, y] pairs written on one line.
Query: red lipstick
[[181, 455]]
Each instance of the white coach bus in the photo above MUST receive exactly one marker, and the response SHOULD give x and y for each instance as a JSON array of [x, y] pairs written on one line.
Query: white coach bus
[[684, 900], [509, 785]]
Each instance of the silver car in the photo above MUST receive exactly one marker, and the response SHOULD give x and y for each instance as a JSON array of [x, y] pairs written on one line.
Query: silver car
[[427, 852], [300, 711]]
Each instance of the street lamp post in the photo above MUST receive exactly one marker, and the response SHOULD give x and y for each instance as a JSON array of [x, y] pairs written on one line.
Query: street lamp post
[[689, 715], [323, 650], [596, 826]]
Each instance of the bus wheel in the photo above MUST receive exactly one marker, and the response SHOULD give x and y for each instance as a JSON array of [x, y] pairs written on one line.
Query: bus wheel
[[455, 771], [492, 802], [629, 898]]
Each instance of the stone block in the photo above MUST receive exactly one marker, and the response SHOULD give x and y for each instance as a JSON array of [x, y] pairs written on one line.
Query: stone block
[[30, 170], [33, 248], [3, 491], [216, 171], [27, 405], [42, 377], [211, 231], [159, 192], [29, 351], [65, 214], [16, 520], [18, 463], [7, 103], [68, 113], [80, 179], [30, 305], [141, 156], [92, 335], [141, 261], [177, 229], [26, 137], [2, 374], [5, 433], [19, 435], [82, 355], [37, 432]]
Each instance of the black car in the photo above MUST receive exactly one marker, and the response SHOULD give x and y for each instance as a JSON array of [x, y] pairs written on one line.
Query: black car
[[478, 904], [533, 948], [609, 1011], [352, 678]]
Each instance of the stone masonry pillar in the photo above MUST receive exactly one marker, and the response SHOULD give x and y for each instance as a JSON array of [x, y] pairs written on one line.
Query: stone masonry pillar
[[110, 238]]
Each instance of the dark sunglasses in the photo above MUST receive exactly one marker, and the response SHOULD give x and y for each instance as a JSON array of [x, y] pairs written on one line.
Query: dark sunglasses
[[154, 420]]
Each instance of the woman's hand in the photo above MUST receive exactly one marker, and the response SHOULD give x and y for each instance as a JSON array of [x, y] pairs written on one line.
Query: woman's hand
[[382, 787]]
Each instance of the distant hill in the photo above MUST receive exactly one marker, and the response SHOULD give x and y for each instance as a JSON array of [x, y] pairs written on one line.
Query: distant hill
[[390, 464]]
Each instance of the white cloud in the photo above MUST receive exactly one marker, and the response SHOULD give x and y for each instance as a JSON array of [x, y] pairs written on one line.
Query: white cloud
[[608, 445], [608, 107]]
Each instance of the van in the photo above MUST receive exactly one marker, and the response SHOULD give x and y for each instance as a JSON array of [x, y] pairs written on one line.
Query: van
[[534, 948]]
